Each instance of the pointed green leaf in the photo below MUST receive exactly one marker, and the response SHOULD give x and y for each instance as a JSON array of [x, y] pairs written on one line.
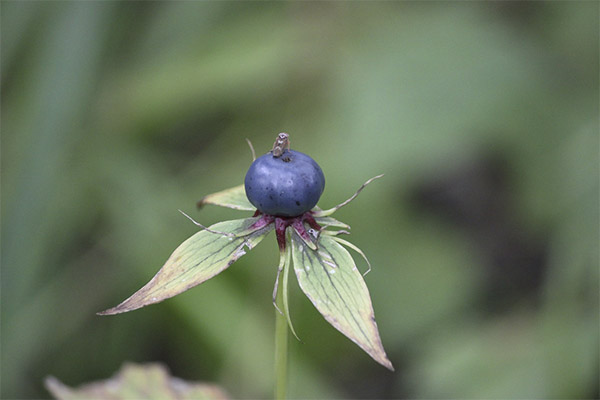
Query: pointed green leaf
[[196, 260], [330, 279], [234, 197]]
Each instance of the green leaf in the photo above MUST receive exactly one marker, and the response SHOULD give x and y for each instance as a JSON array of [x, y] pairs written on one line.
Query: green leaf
[[234, 197], [330, 279], [196, 260], [150, 381]]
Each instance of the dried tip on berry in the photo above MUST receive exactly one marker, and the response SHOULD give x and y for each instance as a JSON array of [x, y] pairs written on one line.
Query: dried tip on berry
[[281, 144], [251, 149]]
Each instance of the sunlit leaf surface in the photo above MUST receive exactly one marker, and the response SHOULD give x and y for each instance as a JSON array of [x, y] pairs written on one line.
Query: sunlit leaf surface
[[234, 197], [151, 381], [329, 278], [196, 260]]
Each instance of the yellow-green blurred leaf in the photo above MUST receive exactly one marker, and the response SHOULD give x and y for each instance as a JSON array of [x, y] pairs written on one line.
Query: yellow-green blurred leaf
[[133, 381]]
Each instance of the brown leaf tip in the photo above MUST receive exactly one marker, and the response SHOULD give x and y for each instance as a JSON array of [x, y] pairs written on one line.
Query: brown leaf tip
[[200, 203]]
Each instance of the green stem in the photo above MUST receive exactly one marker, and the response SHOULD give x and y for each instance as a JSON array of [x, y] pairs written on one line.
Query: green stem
[[281, 350]]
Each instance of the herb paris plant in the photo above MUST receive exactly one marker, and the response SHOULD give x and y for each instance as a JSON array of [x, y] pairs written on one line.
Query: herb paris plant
[[282, 187]]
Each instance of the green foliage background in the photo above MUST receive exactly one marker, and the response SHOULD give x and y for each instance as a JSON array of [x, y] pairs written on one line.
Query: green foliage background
[[116, 114]]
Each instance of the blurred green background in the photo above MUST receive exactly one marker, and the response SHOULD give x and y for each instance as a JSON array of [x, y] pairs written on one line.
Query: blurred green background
[[483, 234]]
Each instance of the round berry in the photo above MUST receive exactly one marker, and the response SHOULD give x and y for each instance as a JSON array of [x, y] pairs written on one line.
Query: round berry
[[284, 186]]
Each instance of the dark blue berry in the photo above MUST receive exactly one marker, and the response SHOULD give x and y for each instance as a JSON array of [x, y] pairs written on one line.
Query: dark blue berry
[[284, 186]]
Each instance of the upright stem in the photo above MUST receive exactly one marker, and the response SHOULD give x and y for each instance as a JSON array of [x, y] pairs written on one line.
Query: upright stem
[[281, 350]]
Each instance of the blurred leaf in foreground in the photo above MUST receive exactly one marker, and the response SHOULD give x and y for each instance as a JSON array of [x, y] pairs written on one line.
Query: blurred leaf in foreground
[[133, 381]]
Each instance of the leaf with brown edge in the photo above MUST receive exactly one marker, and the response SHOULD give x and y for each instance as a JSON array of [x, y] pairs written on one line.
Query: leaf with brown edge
[[329, 278], [196, 260], [234, 197]]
